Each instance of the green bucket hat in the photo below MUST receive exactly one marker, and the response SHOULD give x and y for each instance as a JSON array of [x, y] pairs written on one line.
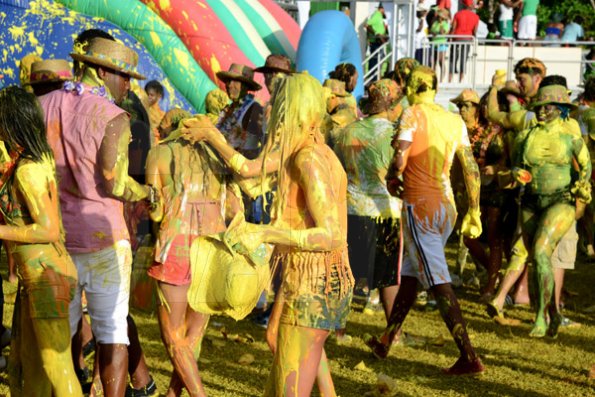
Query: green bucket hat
[[554, 94]]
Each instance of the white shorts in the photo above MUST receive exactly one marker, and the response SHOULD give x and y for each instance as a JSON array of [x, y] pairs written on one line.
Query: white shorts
[[105, 277], [527, 27], [424, 241], [564, 255]]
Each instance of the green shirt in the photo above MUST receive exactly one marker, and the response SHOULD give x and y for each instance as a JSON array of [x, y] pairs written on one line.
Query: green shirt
[[376, 22], [530, 7], [364, 148]]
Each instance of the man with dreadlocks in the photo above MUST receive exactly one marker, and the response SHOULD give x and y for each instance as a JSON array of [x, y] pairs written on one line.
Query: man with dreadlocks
[[426, 141]]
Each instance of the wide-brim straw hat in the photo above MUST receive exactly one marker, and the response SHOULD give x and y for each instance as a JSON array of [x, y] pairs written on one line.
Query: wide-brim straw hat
[[225, 281], [241, 73], [467, 95], [112, 55], [50, 71], [276, 64], [382, 95], [552, 94]]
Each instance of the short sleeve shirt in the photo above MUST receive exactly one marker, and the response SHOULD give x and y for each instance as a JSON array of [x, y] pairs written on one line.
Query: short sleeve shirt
[[466, 22], [435, 135]]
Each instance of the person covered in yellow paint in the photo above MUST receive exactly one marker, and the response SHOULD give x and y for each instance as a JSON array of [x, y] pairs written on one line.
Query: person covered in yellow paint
[[47, 275], [340, 115], [308, 229], [93, 183], [543, 160], [192, 188], [215, 101], [427, 139], [373, 218]]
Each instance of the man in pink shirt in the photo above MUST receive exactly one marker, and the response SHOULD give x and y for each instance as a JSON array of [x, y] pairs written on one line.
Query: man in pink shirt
[[89, 135], [464, 23]]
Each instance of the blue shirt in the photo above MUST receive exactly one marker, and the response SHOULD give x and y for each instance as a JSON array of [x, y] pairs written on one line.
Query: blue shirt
[[572, 32]]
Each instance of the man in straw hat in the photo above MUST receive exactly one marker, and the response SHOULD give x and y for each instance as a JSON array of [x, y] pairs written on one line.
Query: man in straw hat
[[89, 135], [241, 120], [426, 141], [49, 75], [364, 148]]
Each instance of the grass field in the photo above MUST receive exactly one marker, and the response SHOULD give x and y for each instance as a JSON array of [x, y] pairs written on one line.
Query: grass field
[[516, 364]]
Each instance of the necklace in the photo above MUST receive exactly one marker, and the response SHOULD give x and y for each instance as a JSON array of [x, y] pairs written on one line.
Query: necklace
[[79, 88]]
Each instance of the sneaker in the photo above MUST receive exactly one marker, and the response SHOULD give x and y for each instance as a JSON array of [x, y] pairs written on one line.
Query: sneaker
[[148, 391], [463, 367], [5, 338]]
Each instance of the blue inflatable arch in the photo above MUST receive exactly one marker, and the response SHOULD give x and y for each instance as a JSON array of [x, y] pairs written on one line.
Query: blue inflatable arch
[[329, 39]]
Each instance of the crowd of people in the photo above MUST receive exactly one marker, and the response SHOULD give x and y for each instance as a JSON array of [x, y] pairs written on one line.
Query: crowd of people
[[348, 197]]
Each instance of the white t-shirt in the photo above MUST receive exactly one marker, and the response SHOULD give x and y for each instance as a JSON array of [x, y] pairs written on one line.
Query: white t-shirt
[[506, 13], [421, 35]]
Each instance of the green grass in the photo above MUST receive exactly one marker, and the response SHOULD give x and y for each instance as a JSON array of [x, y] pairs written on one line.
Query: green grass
[[516, 364]]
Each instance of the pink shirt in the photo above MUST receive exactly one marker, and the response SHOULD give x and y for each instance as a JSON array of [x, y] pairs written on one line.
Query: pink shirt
[[93, 220]]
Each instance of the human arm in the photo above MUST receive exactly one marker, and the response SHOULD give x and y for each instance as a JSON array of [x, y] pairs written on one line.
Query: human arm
[[113, 161], [312, 172], [582, 187], [200, 128], [471, 224], [36, 184], [153, 176]]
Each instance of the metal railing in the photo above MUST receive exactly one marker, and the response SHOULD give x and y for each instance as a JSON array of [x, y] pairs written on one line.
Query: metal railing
[[454, 59], [383, 54]]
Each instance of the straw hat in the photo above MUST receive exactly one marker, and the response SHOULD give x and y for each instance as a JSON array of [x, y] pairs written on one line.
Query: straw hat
[[112, 55], [552, 94], [225, 281], [337, 87], [467, 95], [382, 95], [50, 71], [238, 72], [276, 64]]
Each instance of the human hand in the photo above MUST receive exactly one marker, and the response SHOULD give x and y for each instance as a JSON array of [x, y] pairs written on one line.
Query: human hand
[[243, 236], [580, 209], [197, 128], [471, 225], [521, 175], [394, 182], [499, 79], [582, 191], [488, 170]]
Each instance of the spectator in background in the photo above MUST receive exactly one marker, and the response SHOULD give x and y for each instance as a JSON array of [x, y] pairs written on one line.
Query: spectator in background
[[443, 4], [528, 20], [573, 31], [554, 28], [464, 23], [377, 33], [506, 18], [441, 26], [421, 32], [155, 92]]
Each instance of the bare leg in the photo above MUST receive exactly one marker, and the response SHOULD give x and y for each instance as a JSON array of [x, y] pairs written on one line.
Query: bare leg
[[495, 245], [324, 379], [12, 269], [137, 366], [113, 366], [558, 286], [387, 297], [296, 361], [182, 331]]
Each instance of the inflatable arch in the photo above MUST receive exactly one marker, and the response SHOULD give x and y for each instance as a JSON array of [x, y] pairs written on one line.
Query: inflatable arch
[[329, 39]]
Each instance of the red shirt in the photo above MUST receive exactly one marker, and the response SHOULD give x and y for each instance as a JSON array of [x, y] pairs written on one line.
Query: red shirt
[[443, 4], [465, 23]]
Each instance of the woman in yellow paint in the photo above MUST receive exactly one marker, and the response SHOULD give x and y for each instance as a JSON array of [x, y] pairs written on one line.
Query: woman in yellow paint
[[30, 208], [308, 229]]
